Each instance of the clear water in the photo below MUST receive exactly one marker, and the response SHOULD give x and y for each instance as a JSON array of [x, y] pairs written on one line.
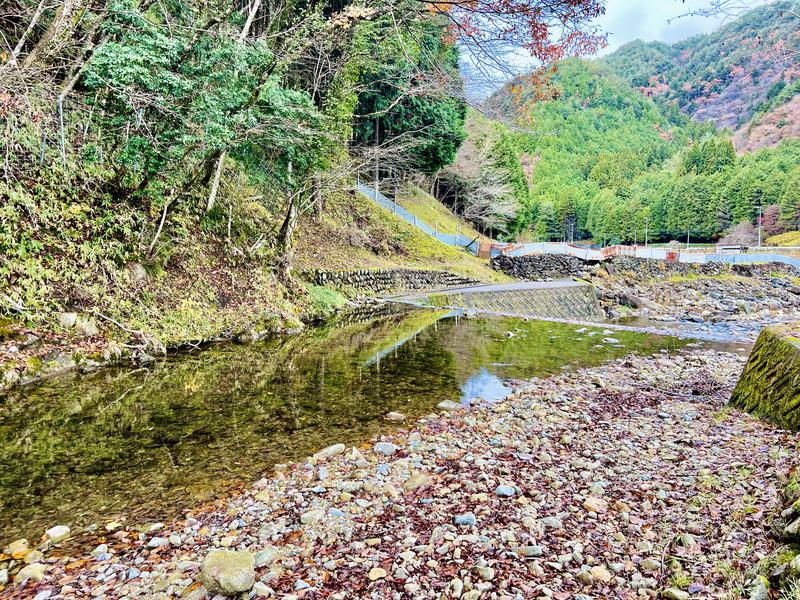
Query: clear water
[[141, 444]]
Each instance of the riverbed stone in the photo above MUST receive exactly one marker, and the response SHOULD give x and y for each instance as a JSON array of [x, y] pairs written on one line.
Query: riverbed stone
[[675, 594], [466, 519], [596, 505], [394, 416], [32, 572], [312, 516], [385, 448], [448, 405], [505, 491], [57, 534], [266, 556], [330, 451], [228, 571]]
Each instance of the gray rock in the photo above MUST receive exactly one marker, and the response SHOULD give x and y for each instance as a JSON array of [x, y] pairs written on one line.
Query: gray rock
[[505, 491], [385, 448], [530, 551], [57, 534], [465, 519], [67, 319], [449, 405], [266, 556], [758, 589], [86, 326], [675, 594], [157, 542], [228, 572], [551, 522]]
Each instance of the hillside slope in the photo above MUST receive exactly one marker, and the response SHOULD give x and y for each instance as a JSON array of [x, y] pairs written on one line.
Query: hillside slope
[[725, 77]]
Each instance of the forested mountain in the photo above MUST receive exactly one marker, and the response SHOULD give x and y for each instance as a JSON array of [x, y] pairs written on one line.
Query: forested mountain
[[723, 77], [635, 144]]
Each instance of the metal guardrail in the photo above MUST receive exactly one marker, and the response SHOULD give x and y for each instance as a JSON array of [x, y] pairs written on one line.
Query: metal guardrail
[[459, 240]]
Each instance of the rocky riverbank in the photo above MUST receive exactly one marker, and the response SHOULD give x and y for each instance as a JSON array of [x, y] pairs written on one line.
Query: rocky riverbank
[[723, 301], [736, 302], [633, 479]]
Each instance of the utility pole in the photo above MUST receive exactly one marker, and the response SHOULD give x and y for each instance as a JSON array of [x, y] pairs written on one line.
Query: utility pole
[[688, 229], [377, 141], [760, 218], [646, 223]]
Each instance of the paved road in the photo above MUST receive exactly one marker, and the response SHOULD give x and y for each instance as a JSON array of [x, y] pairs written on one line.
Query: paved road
[[497, 287]]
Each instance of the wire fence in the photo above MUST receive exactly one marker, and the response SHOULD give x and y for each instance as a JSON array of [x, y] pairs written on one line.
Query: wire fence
[[459, 240]]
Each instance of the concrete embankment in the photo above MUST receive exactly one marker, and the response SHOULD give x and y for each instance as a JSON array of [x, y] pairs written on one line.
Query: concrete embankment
[[770, 384]]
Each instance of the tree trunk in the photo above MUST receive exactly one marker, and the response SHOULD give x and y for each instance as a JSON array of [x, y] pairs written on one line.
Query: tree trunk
[[316, 191], [212, 196], [58, 31]]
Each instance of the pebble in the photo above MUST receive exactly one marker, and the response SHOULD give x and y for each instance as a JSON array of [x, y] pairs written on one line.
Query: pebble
[[505, 491], [58, 533], [385, 448], [600, 474], [467, 519]]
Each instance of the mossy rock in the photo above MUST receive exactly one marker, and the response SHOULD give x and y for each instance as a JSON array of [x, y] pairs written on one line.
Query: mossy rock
[[772, 566], [770, 383]]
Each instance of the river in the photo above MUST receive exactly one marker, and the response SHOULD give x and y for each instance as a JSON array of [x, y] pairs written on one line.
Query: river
[[138, 445]]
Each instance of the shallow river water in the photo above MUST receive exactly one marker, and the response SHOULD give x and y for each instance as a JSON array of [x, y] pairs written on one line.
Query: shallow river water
[[141, 444]]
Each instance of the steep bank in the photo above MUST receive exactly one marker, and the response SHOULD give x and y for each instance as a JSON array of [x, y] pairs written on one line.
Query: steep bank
[[532, 496], [79, 295]]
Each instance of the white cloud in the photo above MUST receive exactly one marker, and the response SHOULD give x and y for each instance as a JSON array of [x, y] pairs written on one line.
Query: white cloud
[[659, 20]]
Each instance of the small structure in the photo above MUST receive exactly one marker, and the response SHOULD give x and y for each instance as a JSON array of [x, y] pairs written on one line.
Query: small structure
[[731, 249]]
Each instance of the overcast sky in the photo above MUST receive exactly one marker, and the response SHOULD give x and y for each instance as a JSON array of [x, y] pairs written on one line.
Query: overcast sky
[[624, 21], [650, 20]]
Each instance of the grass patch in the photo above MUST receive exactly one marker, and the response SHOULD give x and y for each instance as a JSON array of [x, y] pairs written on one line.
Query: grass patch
[[324, 300], [790, 238], [433, 213], [356, 233]]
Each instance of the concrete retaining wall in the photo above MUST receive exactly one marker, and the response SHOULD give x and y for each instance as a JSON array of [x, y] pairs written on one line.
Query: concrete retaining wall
[[573, 303], [770, 383]]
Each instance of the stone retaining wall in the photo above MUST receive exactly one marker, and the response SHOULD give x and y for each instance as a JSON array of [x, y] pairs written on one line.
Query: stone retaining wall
[[770, 383], [541, 267], [384, 281]]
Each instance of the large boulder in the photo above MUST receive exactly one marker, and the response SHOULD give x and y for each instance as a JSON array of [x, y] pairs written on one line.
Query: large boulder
[[228, 572]]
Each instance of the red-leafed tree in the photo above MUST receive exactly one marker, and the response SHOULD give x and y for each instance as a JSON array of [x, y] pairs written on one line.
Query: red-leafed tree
[[493, 32], [769, 220]]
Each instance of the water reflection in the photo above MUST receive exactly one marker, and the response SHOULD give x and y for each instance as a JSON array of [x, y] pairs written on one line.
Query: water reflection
[[142, 443]]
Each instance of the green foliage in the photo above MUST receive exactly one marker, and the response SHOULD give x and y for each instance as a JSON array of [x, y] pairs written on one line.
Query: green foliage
[[434, 124], [612, 163]]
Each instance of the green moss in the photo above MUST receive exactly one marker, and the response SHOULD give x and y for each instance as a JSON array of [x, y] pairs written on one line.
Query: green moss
[[770, 383], [780, 556], [324, 300]]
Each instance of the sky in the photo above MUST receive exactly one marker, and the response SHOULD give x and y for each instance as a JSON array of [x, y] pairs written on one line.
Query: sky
[[624, 21], [650, 20]]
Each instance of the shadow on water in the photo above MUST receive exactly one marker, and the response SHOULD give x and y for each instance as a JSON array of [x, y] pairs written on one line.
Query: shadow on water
[[143, 443]]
